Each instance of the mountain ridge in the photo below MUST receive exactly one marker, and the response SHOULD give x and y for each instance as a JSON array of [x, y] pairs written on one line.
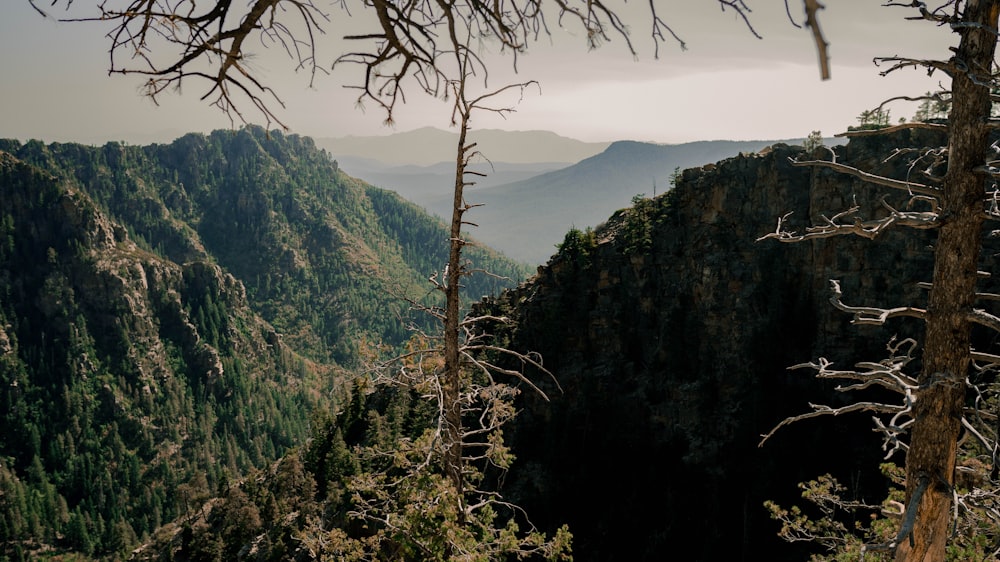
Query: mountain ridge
[[427, 146], [668, 330], [527, 218]]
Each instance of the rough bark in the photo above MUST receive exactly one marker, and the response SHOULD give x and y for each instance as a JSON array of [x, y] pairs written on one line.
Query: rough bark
[[938, 409], [451, 383]]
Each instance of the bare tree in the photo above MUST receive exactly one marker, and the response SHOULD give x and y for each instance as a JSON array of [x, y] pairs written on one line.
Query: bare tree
[[932, 412], [453, 369], [175, 43]]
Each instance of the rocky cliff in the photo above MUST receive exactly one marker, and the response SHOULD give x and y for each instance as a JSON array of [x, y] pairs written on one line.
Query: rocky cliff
[[670, 329]]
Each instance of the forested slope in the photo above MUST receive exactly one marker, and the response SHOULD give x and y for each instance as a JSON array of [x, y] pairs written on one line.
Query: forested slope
[[172, 315]]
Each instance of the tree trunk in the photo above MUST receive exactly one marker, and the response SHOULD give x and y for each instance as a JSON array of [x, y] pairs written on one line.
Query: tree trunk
[[940, 399], [451, 384]]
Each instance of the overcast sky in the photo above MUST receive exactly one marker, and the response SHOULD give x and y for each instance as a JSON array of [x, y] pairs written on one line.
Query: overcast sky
[[726, 85]]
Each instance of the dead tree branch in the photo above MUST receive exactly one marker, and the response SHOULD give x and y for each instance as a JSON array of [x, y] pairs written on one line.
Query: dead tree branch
[[871, 316], [812, 22], [893, 128], [869, 229], [172, 42], [910, 187], [897, 63], [888, 373]]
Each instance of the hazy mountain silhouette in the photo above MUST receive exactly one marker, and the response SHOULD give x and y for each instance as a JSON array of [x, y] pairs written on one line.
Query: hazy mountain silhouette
[[421, 184], [526, 219], [427, 146]]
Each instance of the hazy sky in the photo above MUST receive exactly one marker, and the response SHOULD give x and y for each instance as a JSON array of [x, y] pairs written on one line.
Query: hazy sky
[[727, 85]]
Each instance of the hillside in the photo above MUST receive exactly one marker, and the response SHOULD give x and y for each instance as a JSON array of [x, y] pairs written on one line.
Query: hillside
[[172, 315], [177, 321]]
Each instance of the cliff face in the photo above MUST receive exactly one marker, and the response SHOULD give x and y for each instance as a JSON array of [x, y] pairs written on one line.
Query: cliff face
[[670, 330]]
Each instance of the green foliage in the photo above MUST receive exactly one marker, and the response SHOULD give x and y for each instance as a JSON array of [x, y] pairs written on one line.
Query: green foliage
[[637, 226], [932, 106], [422, 522], [138, 378], [813, 141], [363, 488], [408, 510], [872, 119], [848, 529], [843, 528], [676, 176], [578, 245]]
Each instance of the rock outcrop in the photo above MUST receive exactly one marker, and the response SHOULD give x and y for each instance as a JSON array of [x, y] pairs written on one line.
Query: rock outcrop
[[671, 329]]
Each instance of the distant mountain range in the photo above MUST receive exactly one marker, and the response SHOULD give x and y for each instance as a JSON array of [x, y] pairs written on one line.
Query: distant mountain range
[[527, 209], [538, 185], [422, 184], [527, 218], [428, 146]]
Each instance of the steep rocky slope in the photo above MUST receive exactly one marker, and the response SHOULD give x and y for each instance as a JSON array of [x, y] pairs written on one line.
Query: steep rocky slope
[[141, 369], [670, 329]]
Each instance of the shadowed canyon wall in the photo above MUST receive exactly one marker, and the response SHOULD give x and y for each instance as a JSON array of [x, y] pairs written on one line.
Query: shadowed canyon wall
[[670, 330]]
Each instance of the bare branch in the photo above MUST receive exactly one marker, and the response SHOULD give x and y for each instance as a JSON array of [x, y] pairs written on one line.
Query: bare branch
[[822, 410], [907, 186], [742, 10], [869, 229], [871, 316], [658, 27], [983, 318], [812, 22], [893, 128], [936, 16], [888, 373], [897, 63]]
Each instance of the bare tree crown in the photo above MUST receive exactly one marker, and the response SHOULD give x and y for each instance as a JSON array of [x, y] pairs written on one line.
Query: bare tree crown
[[398, 42]]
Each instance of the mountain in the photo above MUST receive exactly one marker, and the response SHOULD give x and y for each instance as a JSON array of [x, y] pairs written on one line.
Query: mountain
[[423, 184], [670, 330], [527, 218], [172, 316], [427, 146], [537, 184], [177, 322]]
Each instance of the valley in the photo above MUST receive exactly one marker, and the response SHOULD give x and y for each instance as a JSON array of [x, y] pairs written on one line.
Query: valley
[[190, 333], [529, 199]]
